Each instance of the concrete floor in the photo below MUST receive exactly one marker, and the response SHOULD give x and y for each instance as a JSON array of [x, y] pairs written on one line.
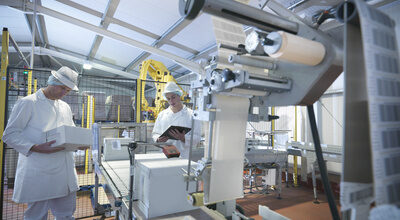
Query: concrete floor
[[296, 203]]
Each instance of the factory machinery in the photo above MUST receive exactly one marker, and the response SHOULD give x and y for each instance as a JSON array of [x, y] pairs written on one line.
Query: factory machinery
[[142, 180], [282, 61], [161, 75]]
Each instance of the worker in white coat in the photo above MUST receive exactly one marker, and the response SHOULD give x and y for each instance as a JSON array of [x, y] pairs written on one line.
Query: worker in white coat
[[179, 115], [46, 176]]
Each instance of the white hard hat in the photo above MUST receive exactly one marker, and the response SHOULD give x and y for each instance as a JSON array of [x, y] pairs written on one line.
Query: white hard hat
[[67, 77], [171, 87]]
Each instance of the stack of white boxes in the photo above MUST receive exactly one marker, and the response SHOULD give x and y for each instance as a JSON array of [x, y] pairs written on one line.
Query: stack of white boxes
[[162, 187]]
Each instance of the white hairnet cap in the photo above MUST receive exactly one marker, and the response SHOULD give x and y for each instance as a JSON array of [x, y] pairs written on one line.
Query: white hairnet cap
[[171, 87], [67, 77]]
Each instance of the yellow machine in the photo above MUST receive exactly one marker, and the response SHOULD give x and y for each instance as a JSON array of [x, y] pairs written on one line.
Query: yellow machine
[[161, 75]]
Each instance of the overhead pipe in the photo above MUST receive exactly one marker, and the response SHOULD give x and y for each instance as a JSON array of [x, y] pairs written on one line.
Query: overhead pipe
[[33, 33]]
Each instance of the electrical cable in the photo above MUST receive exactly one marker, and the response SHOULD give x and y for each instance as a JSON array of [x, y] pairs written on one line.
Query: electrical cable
[[322, 104], [321, 163], [253, 127]]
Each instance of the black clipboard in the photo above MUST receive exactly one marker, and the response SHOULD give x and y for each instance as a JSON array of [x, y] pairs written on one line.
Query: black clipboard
[[173, 127]]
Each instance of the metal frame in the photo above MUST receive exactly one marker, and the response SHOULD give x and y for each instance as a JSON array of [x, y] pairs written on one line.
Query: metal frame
[[104, 23], [3, 103], [108, 18], [97, 161], [80, 60], [124, 24], [171, 32], [105, 33]]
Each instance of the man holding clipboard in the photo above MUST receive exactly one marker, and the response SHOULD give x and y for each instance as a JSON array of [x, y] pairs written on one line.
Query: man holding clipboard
[[173, 124]]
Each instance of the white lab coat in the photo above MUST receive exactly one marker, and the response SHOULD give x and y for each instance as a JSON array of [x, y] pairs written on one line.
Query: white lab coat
[[40, 176], [183, 118]]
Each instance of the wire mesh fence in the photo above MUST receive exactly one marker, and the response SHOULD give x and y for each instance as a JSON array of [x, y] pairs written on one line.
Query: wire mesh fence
[[99, 99], [112, 100]]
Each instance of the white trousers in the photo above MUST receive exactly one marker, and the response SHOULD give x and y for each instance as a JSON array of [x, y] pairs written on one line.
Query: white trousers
[[62, 208]]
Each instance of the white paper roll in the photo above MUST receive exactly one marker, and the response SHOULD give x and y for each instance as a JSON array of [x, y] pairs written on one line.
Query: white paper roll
[[299, 50]]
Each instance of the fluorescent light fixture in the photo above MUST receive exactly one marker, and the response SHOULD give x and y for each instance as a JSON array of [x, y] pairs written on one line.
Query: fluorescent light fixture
[[87, 66]]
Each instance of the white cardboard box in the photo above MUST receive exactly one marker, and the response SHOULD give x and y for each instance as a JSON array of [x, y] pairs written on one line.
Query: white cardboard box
[[121, 168], [137, 190], [69, 137], [163, 187], [116, 149]]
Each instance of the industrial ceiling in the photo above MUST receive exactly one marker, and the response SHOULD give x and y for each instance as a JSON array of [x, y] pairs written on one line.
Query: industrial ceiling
[[103, 32]]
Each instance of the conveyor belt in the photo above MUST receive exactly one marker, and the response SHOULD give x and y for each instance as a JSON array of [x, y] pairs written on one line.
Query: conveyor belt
[[266, 156], [118, 172]]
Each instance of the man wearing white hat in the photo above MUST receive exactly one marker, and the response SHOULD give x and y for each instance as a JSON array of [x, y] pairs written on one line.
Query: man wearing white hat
[[179, 115], [46, 176]]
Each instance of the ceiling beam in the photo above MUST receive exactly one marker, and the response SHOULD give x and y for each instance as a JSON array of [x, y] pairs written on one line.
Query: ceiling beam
[[202, 54], [55, 60], [69, 52], [20, 4], [171, 32], [45, 51], [115, 36], [80, 59], [81, 7], [124, 24], [134, 28], [38, 38], [41, 38], [42, 30], [16, 47], [41, 27], [61, 50], [105, 22]]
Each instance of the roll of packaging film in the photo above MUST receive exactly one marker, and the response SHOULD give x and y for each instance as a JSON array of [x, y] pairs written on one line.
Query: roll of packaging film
[[295, 49], [228, 153], [231, 34]]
